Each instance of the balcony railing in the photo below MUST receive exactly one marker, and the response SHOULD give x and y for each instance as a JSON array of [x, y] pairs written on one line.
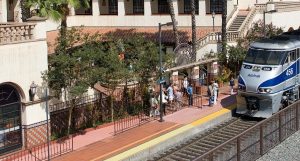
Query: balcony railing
[[16, 32]]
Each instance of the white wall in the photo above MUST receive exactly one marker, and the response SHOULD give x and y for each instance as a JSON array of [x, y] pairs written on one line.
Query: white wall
[[22, 63], [289, 19], [3, 11], [278, 18]]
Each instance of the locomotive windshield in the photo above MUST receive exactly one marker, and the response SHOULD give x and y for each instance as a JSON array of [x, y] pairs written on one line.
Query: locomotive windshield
[[266, 57]]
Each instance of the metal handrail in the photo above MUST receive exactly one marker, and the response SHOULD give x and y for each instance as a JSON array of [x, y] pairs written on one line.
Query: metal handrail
[[247, 131]]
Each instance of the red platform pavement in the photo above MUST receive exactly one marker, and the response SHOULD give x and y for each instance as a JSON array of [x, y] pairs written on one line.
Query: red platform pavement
[[101, 143]]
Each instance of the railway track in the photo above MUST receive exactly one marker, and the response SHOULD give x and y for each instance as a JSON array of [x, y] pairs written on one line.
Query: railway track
[[202, 143]]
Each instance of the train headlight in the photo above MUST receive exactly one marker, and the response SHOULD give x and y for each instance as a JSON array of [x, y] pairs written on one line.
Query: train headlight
[[264, 90], [242, 87]]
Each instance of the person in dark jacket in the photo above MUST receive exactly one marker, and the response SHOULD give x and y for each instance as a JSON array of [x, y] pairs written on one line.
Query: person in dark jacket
[[190, 94]]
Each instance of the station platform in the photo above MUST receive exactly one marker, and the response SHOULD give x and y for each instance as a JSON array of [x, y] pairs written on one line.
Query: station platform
[[102, 144]]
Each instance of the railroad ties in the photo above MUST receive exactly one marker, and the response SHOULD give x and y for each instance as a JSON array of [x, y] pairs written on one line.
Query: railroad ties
[[202, 143]]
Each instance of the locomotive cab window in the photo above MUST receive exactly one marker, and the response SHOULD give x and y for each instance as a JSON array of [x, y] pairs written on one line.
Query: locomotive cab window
[[266, 57], [293, 55], [287, 60]]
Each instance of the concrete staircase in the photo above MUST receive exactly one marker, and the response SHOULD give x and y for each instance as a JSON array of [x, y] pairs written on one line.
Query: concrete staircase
[[238, 21]]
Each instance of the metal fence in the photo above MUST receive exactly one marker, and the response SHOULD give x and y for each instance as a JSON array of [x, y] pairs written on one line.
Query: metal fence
[[259, 139], [134, 114], [40, 152]]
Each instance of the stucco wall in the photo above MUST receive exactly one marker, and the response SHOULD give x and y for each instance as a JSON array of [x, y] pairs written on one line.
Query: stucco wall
[[22, 63], [278, 18]]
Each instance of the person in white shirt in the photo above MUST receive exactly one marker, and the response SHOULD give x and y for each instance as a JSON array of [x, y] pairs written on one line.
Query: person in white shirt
[[185, 85], [164, 102], [215, 90]]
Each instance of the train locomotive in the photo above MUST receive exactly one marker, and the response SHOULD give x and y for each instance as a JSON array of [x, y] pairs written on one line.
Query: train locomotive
[[269, 77]]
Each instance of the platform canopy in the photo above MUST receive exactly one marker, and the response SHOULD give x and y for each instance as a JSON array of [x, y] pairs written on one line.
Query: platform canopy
[[200, 62]]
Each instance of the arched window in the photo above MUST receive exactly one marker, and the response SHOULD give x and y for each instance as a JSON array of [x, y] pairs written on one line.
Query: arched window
[[10, 119]]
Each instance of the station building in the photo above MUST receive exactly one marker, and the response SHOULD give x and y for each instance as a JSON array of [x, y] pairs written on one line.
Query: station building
[[25, 45]]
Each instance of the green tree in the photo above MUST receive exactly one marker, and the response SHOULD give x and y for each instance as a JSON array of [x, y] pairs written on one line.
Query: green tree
[[143, 55], [67, 72]]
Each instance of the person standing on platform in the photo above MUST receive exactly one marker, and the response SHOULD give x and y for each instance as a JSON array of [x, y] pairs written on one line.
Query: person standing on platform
[[215, 89], [210, 93], [154, 105], [216, 85], [170, 92], [185, 85], [231, 84], [190, 94], [164, 101]]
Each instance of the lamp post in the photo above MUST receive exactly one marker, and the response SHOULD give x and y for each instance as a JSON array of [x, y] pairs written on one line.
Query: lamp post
[[264, 20], [47, 121], [213, 17], [160, 70]]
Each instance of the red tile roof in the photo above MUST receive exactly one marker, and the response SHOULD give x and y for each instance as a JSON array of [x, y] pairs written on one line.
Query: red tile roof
[[149, 32]]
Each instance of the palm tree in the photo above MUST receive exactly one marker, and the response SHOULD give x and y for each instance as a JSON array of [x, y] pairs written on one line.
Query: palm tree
[[193, 12], [224, 16], [172, 14], [57, 10]]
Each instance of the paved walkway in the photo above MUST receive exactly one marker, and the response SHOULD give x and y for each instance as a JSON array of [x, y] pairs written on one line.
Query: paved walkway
[[100, 144]]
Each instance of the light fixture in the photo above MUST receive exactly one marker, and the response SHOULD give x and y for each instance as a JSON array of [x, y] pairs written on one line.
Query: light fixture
[[32, 90]]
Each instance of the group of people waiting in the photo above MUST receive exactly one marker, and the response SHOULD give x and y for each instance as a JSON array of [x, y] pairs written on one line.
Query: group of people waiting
[[168, 95], [174, 93], [213, 91]]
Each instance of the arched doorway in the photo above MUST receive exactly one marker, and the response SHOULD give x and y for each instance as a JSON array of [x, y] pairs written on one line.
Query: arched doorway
[[10, 118]]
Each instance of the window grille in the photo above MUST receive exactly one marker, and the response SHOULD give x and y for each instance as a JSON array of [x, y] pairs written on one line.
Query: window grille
[[10, 119], [187, 6], [138, 6], [113, 7], [216, 6], [163, 6]]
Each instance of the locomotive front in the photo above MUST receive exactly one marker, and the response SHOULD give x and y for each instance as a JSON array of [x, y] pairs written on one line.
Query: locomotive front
[[262, 79]]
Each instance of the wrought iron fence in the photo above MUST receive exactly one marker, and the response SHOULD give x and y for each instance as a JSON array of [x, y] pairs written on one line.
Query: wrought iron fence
[[259, 139], [87, 114], [40, 152], [130, 115]]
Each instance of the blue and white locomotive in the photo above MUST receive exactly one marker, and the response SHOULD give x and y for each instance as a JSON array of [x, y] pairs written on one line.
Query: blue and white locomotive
[[269, 77]]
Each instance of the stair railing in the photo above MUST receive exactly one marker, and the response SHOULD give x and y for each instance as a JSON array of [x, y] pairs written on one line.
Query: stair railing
[[230, 18], [244, 27]]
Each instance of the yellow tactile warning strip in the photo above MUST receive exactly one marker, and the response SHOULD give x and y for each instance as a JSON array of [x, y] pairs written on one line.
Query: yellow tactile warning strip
[[167, 136]]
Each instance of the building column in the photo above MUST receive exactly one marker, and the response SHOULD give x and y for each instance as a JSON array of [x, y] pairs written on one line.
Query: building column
[[96, 7], [212, 70], [147, 7], [121, 8], [72, 11], [17, 12], [3, 11], [195, 73], [174, 77], [202, 8]]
